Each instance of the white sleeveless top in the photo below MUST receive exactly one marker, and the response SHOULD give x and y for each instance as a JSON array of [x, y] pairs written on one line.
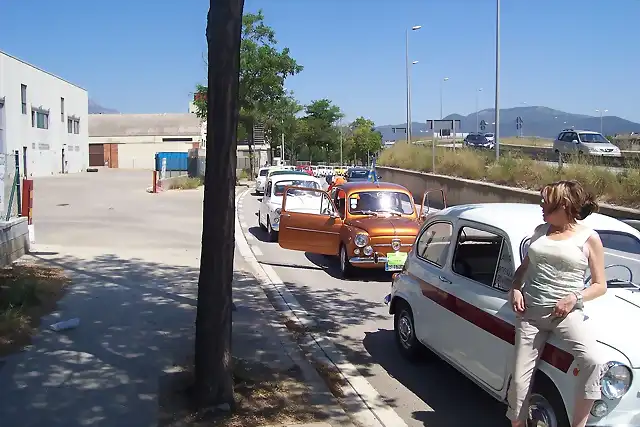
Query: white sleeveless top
[[556, 267]]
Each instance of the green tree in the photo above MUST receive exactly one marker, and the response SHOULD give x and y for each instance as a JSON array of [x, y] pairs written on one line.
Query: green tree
[[263, 71], [283, 121], [321, 135], [363, 139], [213, 371]]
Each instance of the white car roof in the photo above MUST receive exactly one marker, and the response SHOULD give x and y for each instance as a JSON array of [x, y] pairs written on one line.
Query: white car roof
[[295, 177], [519, 220]]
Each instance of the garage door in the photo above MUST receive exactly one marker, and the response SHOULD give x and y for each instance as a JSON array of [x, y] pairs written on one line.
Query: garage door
[[96, 154]]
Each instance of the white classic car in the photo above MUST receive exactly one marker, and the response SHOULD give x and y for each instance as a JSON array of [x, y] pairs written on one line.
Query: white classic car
[[271, 203], [451, 298], [261, 180]]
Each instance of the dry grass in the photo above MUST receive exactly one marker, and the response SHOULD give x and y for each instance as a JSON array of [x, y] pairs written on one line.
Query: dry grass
[[621, 189], [529, 141], [263, 396], [27, 292], [186, 183]]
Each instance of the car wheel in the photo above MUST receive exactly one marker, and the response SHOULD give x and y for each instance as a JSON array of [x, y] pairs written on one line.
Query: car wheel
[[546, 407], [273, 235], [404, 331], [346, 269]]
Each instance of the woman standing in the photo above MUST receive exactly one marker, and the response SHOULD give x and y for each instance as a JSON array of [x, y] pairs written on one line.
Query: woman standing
[[550, 302]]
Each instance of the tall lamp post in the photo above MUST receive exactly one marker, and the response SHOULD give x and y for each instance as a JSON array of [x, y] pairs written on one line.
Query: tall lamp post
[[601, 111], [408, 72], [497, 101], [477, 96], [441, 84]]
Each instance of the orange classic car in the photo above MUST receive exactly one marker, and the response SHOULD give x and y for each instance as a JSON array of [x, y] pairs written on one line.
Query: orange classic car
[[365, 224]]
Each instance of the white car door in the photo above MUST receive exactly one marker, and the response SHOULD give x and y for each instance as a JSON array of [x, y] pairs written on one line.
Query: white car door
[[430, 254], [264, 204], [480, 331]]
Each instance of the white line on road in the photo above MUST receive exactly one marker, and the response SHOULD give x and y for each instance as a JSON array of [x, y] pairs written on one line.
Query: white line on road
[[372, 410], [244, 225], [256, 250]]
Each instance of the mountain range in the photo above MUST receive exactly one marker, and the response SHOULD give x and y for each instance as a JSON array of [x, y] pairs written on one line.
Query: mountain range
[[95, 108], [542, 122]]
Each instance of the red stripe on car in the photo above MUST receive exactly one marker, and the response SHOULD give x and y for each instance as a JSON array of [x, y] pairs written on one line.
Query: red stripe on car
[[496, 326]]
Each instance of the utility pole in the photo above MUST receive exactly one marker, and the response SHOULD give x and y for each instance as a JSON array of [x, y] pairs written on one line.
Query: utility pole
[[497, 101]]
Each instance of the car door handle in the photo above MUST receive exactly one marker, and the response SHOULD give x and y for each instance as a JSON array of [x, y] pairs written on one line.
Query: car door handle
[[444, 279], [286, 215]]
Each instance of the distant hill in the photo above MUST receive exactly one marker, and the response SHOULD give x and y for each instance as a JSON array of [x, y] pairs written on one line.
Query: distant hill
[[95, 108], [537, 121]]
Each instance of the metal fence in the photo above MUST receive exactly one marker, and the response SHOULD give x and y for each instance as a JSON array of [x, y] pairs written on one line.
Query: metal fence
[[10, 175]]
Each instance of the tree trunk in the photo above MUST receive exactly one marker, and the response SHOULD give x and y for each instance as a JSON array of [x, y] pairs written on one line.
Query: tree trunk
[[251, 140], [213, 370]]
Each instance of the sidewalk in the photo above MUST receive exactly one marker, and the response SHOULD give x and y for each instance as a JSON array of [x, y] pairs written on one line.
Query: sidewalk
[[137, 314]]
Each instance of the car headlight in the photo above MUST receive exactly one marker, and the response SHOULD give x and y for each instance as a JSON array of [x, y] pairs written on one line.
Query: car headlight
[[361, 240], [616, 380], [278, 211]]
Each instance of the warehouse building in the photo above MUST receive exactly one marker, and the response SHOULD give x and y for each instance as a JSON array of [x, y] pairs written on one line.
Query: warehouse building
[[43, 118], [130, 141]]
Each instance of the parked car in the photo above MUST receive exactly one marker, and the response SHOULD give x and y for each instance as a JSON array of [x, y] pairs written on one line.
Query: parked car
[[490, 137], [261, 180], [452, 298], [357, 174], [271, 204], [474, 140], [368, 225], [571, 141]]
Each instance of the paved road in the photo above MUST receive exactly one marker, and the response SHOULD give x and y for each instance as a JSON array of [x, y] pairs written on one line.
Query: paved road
[[353, 314]]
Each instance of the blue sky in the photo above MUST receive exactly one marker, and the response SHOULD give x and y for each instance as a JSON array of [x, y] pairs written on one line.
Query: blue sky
[[146, 56]]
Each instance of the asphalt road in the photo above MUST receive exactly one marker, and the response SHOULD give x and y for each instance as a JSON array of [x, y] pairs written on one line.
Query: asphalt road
[[352, 313]]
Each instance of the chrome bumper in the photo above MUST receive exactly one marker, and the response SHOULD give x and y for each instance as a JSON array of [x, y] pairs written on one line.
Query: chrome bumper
[[368, 260]]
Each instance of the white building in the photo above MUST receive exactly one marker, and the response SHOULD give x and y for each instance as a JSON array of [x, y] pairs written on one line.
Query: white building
[[43, 118], [131, 141]]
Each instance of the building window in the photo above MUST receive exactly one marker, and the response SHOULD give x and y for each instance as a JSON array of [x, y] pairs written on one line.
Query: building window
[[73, 125], [23, 97], [62, 110], [42, 120], [33, 118]]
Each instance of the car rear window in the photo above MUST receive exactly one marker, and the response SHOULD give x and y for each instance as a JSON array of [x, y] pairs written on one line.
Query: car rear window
[[358, 173], [263, 172]]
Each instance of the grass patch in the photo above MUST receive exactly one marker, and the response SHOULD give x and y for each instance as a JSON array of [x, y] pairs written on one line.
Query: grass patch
[[622, 189], [263, 396], [27, 292], [186, 183]]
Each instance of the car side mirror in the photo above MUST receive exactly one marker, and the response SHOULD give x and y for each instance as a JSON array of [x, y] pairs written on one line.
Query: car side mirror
[[575, 141], [260, 199]]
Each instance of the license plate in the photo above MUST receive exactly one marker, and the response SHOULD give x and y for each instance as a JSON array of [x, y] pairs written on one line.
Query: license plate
[[395, 261]]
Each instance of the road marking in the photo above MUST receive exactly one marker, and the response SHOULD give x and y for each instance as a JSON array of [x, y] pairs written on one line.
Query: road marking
[[621, 256], [244, 225], [250, 237], [256, 250], [366, 404]]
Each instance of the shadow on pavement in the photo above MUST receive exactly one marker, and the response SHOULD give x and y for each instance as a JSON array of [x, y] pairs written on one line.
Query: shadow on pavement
[[455, 400], [330, 264], [260, 234]]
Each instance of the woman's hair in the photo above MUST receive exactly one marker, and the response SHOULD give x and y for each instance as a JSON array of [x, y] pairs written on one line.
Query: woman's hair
[[578, 203]]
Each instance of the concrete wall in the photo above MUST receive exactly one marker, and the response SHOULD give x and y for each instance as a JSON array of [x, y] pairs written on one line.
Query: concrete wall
[[138, 152], [14, 240], [464, 191]]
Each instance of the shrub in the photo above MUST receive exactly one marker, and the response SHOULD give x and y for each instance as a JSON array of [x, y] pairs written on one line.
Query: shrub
[[186, 183]]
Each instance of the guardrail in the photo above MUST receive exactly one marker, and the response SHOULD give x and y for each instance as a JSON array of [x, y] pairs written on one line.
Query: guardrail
[[462, 191]]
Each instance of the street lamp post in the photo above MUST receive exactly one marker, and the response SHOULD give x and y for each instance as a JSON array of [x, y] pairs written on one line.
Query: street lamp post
[[477, 95], [407, 65], [441, 84], [601, 111], [340, 142], [496, 136]]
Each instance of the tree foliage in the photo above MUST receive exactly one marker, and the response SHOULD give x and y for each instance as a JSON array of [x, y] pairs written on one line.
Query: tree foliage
[[363, 139]]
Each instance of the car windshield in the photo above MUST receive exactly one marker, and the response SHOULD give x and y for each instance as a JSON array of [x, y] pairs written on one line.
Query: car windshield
[[263, 172], [375, 202], [621, 257], [358, 173], [279, 187], [476, 138], [593, 138]]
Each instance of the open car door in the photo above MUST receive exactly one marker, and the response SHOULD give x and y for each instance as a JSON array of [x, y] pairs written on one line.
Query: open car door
[[309, 221], [425, 207]]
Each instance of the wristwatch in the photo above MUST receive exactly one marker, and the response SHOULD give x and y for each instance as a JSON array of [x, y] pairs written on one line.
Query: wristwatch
[[579, 301]]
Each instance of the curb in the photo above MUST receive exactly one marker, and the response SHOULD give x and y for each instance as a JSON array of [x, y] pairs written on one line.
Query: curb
[[366, 405]]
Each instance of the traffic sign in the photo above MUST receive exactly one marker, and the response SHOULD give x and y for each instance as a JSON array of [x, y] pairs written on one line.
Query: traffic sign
[[519, 120], [483, 123], [483, 127]]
